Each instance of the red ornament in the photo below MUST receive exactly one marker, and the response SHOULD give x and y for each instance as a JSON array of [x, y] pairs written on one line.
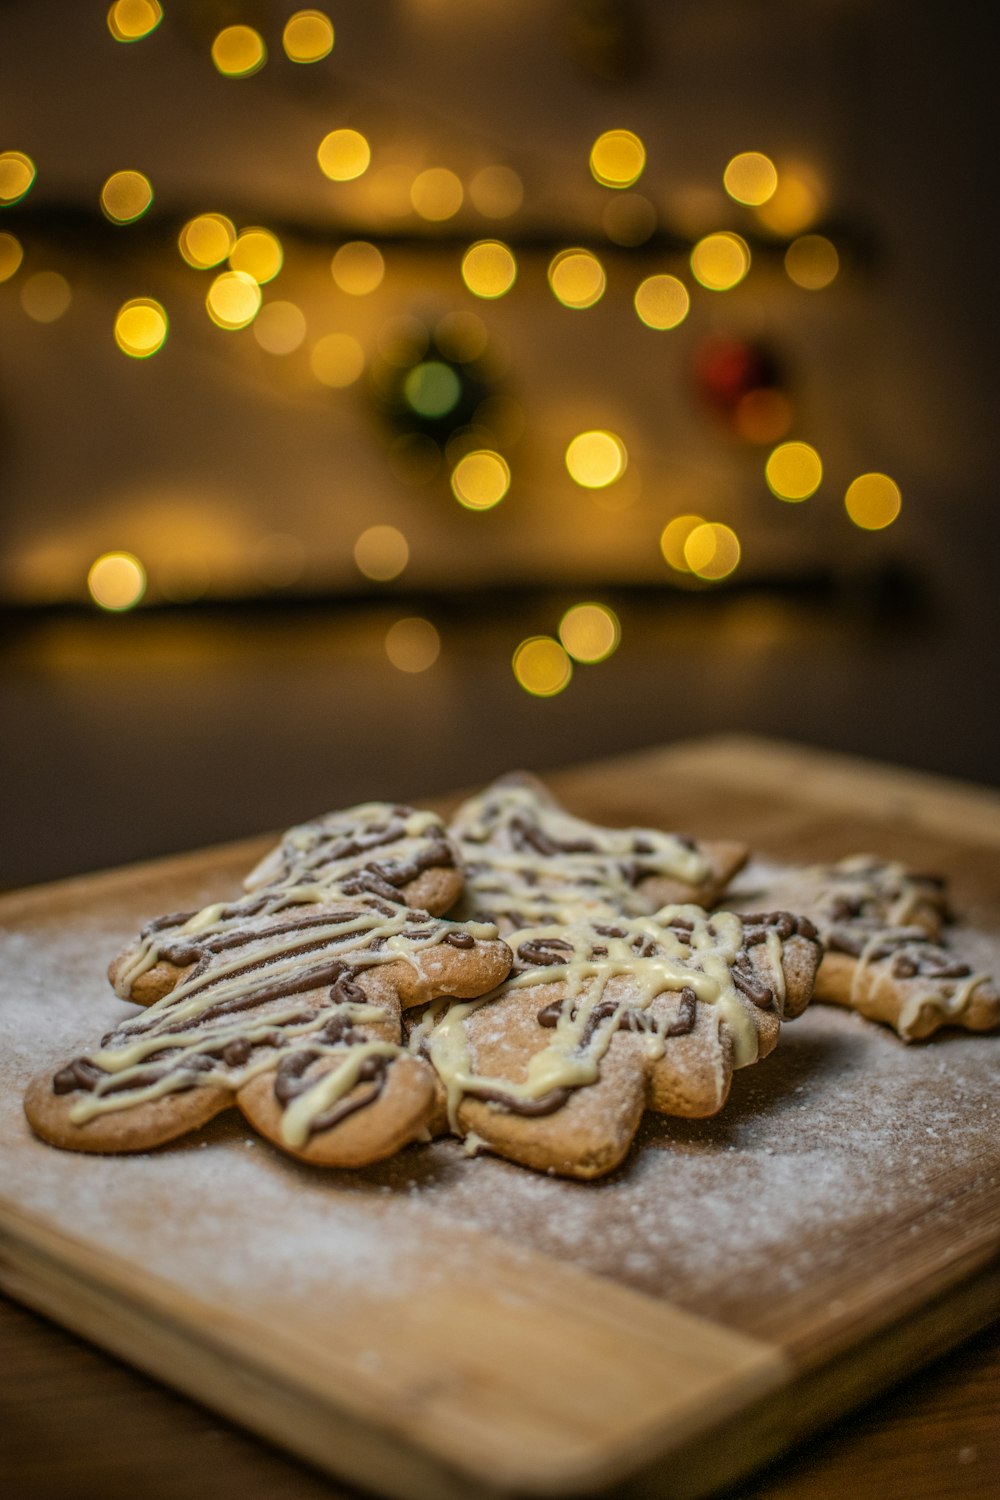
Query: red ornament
[[742, 383]]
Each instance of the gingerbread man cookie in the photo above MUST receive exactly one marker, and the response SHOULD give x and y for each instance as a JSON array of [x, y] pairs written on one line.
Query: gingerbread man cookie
[[599, 1021]]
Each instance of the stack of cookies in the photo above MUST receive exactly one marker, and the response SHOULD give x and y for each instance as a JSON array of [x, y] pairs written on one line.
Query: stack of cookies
[[520, 978]]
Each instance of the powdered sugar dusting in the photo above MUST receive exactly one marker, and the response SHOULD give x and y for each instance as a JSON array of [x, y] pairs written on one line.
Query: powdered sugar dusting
[[205, 1212], [840, 1131]]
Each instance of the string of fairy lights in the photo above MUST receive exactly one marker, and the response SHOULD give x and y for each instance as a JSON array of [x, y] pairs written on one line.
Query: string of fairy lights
[[431, 381]]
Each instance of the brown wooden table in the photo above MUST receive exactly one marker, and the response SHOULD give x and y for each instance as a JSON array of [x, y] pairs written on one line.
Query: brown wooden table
[[76, 1422]]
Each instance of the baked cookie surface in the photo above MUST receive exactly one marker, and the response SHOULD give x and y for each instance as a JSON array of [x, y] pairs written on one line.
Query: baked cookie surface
[[285, 1001], [889, 954], [599, 1021], [529, 861]]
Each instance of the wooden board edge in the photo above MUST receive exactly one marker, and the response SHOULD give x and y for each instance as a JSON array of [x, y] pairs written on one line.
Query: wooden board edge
[[816, 1400], [200, 1361], [754, 1432], [212, 1357]]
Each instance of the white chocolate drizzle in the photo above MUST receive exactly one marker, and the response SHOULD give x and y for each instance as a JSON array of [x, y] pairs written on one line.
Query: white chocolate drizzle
[[529, 862], [622, 970], [266, 974], [328, 850], [889, 920]]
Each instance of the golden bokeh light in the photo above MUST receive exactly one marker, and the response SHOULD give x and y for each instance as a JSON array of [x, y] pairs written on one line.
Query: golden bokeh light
[[480, 479], [258, 253], [280, 327], [794, 471], [131, 20], [795, 203], [489, 268], [381, 552], [126, 196], [279, 560], [206, 240], [461, 335], [750, 178], [673, 539], [763, 415], [617, 158], [116, 581], [337, 360], [720, 261], [141, 327], [233, 300], [595, 459], [662, 301], [432, 389], [344, 155], [308, 36], [239, 52], [542, 666], [45, 296], [358, 268], [437, 194], [873, 501], [712, 551], [577, 278], [496, 192], [11, 255], [628, 219], [17, 173], [590, 632], [413, 644], [812, 261]]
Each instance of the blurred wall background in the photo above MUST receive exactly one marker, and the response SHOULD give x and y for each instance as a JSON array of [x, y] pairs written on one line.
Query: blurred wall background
[[495, 330]]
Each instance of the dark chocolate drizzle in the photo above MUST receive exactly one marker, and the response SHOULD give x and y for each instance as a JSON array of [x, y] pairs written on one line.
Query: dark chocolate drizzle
[[532, 1108], [630, 1019], [786, 924], [459, 939], [291, 1079], [80, 1074], [540, 952], [527, 835], [749, 984]]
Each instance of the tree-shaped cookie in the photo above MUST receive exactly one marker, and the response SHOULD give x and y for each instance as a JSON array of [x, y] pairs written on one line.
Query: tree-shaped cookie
[[529, 861], [599, 1021], [285, 1001], [886, 954]]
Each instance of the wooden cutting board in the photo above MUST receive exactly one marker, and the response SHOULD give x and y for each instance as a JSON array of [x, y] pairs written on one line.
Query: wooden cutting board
[[446, 1326]]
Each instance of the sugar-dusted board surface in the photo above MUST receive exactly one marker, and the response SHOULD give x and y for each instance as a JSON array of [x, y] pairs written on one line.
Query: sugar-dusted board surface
[[445, 1326]]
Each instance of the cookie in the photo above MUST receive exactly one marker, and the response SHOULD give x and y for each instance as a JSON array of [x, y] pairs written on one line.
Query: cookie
[[901, 977], [885, 954], [600, 1021], [380, 848], [528, 861], [377, 848], [286, 1003]]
